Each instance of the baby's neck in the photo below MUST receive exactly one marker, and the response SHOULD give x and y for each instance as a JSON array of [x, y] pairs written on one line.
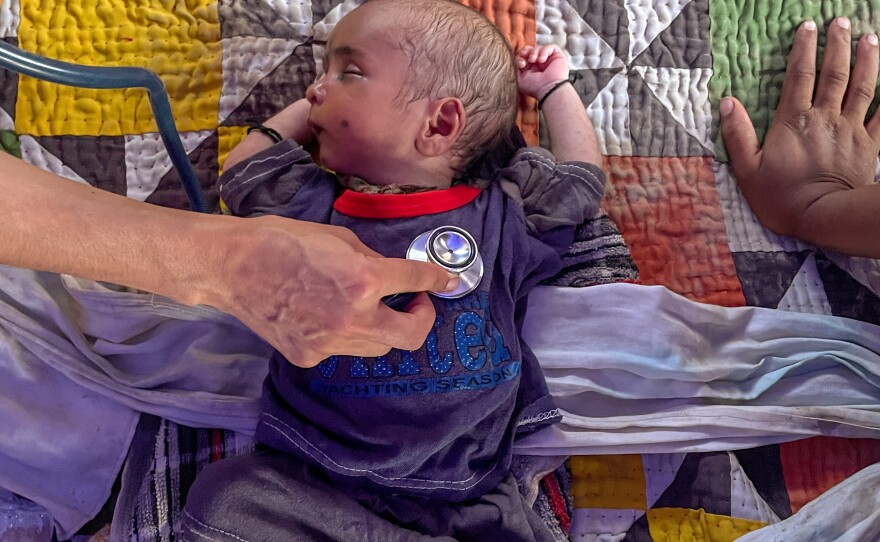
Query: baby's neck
[[416, 179]]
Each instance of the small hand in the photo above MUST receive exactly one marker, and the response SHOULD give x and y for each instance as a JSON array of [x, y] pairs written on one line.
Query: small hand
[[540, 68], [819, 145]]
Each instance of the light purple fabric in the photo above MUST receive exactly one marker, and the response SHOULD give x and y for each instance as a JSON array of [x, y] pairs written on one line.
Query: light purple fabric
[[81, 361]]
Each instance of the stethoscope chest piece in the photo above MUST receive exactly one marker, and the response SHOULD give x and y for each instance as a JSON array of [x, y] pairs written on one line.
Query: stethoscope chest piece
[[454, 249]]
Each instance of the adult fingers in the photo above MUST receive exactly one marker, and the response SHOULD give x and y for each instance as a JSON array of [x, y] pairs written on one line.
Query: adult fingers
[[740, 139], [800, 75], [835, 67], [407, 330], [343, 347], [869, 60], [400, 276], [860, 92]]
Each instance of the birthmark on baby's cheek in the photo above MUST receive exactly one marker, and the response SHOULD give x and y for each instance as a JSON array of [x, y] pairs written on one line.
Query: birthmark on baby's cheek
[[344, 123]]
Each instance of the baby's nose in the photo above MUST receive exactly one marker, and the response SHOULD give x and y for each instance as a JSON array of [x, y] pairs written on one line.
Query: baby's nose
[[315, 93]]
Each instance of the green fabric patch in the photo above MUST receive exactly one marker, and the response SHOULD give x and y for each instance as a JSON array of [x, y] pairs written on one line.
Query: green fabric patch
[[9, 143], [751, 41]]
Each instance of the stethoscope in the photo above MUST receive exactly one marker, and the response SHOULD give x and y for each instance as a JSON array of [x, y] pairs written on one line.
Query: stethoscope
[[453, 249]]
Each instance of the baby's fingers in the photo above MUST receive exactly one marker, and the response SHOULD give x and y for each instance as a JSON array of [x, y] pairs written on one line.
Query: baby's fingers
[[522, 56]]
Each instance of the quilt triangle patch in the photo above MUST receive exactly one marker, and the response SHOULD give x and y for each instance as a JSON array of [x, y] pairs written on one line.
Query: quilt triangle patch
[[696, 485], [765, 277], [763, 466], [285, 84], [147, 160], [655, 131], [566, 28], [291, 20], [648, 20], [684, 43], [806, 293], [246, 62], [685, 95], [170, 192], [608, 19], [100, 160], [847, 296]]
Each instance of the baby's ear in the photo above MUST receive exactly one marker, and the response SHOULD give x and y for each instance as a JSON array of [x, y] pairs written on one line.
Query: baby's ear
[[445, 123]]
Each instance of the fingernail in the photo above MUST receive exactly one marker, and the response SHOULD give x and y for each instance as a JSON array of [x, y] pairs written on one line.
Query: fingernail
[[872, 39], [453, 283], [843, 22], [726, 107], [810, 25]]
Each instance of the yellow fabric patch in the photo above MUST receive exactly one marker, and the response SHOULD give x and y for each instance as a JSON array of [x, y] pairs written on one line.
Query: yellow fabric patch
[[608, 481], [685, 525], [179, 40], [227, 139]]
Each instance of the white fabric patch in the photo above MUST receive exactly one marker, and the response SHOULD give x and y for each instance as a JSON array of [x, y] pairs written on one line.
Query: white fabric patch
[[6, 122], [34, 153], [660, 471], [647, 19], [806, 292], [745, 502], [609, 113], [9, 18], [601, 524], [147, 161], [559, 24], [298, 13], [685, 94]]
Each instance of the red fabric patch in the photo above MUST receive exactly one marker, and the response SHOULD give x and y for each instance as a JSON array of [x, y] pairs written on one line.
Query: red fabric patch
[[812, 466]]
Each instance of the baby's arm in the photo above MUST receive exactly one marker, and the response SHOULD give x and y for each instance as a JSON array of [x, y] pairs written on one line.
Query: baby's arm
[[290, 123], [572, 136]]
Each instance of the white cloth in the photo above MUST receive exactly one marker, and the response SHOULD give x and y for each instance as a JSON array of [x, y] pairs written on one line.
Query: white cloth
[[639, 369], [80, 362], [634, 368], [848, 512]]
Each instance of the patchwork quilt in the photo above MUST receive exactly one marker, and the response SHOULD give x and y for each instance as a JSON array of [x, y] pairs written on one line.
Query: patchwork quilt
[[653, 72]]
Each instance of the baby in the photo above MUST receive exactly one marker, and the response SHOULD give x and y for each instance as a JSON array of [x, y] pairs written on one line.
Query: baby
[[416, 97]]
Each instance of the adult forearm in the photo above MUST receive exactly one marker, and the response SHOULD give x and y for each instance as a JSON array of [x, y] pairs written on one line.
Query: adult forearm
[[290, 123], [572, 136], [847, 221], [54, 224]]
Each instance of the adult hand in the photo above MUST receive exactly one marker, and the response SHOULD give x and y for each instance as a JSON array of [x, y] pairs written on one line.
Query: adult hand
[[313, 290], [814, 176]]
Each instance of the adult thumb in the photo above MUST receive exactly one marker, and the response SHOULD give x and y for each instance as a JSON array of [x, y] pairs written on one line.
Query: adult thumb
[[739, 138]]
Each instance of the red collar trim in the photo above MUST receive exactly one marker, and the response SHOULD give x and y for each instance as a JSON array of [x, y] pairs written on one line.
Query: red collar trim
[[360, 205]]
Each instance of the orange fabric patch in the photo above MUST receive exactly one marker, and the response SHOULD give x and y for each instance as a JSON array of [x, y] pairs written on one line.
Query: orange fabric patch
[[669, 214]]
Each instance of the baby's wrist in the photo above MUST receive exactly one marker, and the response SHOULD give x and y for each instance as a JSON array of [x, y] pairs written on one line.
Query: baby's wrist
[[548, 89]]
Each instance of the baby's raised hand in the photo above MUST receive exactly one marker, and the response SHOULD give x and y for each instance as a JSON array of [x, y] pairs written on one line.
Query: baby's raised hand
[[540, 68]]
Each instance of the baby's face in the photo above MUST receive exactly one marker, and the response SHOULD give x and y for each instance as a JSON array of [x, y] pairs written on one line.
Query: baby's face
[[362, 117]]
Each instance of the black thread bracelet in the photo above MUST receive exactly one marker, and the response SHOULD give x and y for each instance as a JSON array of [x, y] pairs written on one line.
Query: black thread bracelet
[[573, 76], [254, 126], [549, 92]]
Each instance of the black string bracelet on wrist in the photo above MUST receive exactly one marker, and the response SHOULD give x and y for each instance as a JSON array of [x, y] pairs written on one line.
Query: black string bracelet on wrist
[[573, 76], [254, 126]]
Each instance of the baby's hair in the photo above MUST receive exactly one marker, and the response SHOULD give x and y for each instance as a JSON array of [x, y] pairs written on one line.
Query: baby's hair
[[455, 51]]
